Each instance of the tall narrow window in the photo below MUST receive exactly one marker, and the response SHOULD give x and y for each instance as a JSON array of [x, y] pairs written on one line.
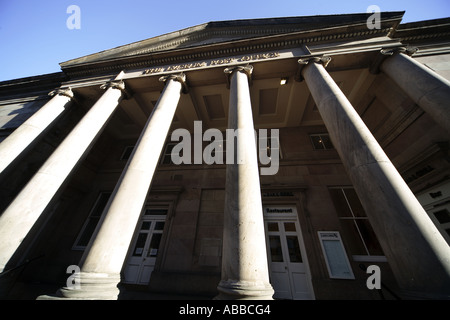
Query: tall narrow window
[[91, 223], [126, 154], [356, 229], [166, 157]]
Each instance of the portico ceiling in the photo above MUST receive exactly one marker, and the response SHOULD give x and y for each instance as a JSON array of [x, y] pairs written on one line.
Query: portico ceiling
[[274, 105]]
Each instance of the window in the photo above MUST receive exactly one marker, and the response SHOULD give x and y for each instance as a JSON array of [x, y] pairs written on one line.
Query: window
[[166, 157], [127, 151], [321, 141], [442, 216], [436, 202], [92, 221], [268, 146], [356, 229]]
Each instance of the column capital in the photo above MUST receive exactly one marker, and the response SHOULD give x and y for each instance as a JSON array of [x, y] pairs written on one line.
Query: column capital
[[180, 77], [387, 52], [247, 69], [67, 92], [406, 50], [302, 62], [119, 85]]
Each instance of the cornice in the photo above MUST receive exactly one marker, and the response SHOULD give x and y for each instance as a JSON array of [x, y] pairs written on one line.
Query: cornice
[[232, 47], [35, 85], [222, 31], [422, 33]]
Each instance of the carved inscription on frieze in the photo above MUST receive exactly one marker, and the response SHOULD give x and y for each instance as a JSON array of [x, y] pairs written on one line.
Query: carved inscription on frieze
[[202, 64]]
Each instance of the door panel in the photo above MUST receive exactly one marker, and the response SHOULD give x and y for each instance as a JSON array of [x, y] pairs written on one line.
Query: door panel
[[280, 283], [145, 274], [301, 286], [131, 273]]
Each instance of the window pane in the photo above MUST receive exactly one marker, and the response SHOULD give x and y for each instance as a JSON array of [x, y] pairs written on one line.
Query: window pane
[[167, 159], [337, 196], [154, 245], [159, 225], [275, 249], [317, 142], [352, 238], [140, 243], [294, 249], [289, 226], [101, 204], [127, 153], [369, 237], [326, 141], [354, 202], [93, 219], [146, 225], [272, 226], [149, 212], [443, 216], [169, 148], [88, 231]]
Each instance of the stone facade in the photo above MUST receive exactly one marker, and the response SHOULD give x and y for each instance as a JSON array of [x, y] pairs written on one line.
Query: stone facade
[[363, 131]]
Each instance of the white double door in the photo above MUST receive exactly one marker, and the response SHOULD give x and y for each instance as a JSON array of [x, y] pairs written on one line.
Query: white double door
[[289, 271], [141, 260]]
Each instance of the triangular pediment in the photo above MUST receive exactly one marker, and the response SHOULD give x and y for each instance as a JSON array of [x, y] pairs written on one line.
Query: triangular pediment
[[228, 31]]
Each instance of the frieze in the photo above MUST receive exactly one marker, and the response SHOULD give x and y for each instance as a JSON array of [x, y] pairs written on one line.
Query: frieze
[[214, 62]]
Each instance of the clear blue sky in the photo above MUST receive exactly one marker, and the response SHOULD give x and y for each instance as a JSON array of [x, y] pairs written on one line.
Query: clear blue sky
[[34, 37]]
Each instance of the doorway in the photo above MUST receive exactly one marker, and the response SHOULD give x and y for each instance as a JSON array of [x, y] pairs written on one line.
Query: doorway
[[145, 247], [288, 266]]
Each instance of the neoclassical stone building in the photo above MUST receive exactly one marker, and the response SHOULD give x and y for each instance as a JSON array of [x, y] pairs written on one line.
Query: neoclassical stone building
[[244, 159]]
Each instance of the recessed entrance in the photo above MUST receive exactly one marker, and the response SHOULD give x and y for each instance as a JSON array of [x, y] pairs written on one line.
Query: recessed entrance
[[288, 266], [145, 248]]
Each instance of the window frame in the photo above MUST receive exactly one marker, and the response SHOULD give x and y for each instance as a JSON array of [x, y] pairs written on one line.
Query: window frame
[[358, 257], [321, 135], [164, 154], [127, 152], [76, 245]]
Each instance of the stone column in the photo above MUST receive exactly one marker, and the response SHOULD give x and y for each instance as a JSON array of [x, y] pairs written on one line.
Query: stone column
[[23, 137], [103, 259], [18, 219], [417, 253], [245, 272], [425, 87]]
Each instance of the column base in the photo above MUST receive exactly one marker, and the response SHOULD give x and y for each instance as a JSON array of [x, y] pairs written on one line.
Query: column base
[[93, 286], [244, 290]]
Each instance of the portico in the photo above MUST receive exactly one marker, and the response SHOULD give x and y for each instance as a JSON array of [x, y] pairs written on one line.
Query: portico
[[216, 225]]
